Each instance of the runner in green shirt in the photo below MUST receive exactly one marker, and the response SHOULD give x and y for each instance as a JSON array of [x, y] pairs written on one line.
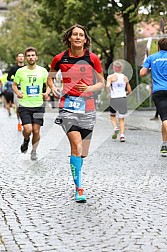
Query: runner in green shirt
[[31, 79]]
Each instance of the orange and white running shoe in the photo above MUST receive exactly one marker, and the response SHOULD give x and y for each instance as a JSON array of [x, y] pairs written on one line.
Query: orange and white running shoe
[[19, 127], [79, 195]]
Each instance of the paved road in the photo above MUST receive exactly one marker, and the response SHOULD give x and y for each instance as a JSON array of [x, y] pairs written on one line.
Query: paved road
[[125, 183]]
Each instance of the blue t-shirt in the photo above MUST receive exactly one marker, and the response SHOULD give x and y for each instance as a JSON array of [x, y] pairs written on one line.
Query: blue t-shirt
[[158, 64]]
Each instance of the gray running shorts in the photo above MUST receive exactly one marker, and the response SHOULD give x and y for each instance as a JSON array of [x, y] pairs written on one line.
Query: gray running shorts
[[118, 104], [68, 119]]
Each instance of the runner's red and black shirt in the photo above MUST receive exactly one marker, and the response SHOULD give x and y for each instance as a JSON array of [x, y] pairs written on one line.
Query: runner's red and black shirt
[[76, 69]]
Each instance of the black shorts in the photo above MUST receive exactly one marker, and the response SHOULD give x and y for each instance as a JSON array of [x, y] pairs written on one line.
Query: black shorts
[[85, 133], [9, 96], [160, 100], [31, 115]]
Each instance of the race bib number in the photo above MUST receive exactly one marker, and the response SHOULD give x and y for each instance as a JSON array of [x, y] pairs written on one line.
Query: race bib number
[[33, 90], [74, 104]]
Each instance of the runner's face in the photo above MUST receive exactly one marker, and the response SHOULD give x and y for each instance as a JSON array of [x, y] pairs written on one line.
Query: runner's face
[[117, 69], [20, 58], [77, 38], [31, 58]]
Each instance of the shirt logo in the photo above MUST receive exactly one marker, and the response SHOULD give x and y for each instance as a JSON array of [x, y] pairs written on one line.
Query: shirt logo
[[82, 69], [65, 60]]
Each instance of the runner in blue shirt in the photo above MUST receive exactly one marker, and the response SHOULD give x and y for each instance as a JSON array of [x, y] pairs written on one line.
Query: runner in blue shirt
[[157, 65]]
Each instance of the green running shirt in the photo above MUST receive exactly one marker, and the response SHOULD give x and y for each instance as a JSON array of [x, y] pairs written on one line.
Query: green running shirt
[[31, 83]]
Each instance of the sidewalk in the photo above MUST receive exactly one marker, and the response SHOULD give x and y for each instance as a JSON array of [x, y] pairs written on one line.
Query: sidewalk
[[138, 119], [125, 184]]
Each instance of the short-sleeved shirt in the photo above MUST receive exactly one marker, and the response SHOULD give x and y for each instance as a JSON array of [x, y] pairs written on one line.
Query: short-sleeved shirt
[[31, 83], [157, 62], [76, 69], [12, 72]]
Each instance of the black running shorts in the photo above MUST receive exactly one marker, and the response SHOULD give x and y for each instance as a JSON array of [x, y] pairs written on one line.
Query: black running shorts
[[160, 100], [9, 96], [31, 115], [85, 133]]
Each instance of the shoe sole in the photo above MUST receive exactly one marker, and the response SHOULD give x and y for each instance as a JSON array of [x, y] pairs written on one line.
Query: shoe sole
[[114, 136], [163, 154], [81, 201], [24, 151], [33, 157]]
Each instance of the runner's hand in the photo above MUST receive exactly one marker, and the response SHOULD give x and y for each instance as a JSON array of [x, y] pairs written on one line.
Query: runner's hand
[[82, 87], [20, 94], [45, 95], [56, 92]]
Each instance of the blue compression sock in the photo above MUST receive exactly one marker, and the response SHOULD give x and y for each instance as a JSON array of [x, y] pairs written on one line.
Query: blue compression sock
[[76, 164]]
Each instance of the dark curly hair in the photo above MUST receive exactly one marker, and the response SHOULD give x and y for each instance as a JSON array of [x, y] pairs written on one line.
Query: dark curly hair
[[162, 43], [68, 34]]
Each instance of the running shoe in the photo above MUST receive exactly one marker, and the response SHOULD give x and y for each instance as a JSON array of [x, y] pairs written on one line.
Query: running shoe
[[116, 131], [163, 151], [154, 118], [79, 196], [19, 127], [33, 155], [122, 139], [24, 146]]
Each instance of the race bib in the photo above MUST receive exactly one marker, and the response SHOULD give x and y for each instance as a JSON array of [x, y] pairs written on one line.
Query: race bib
[[74, 104], [33, 90]]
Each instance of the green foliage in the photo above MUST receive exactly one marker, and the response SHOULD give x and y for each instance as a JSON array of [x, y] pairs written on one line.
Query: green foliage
[[154, 46], [23, 28], [41, 23], [98, 16], [155, 8]]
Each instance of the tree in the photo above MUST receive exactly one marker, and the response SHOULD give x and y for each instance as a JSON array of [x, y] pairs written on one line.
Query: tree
[[129, 11], [103, 14], [23, 28], [97, 16], [156, 10], [109, 23]]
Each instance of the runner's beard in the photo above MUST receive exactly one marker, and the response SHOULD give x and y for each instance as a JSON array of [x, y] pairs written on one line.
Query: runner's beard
[[31, 63]]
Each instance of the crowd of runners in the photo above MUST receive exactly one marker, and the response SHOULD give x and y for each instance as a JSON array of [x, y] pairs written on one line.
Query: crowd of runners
[[28, 85]]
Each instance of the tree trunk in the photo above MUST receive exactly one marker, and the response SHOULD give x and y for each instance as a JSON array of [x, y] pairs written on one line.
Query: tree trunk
[[129, 40], [109, 58], [107, 55]]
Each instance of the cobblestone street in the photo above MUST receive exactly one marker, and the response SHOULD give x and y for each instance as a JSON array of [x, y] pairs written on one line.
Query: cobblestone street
[[125, 184]]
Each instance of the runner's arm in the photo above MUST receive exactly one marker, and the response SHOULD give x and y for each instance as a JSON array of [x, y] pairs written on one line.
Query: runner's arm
[[108, 84], [128, 86], [144, 71], [82, 87], [16, 90], [47, 92], [50, 82]]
